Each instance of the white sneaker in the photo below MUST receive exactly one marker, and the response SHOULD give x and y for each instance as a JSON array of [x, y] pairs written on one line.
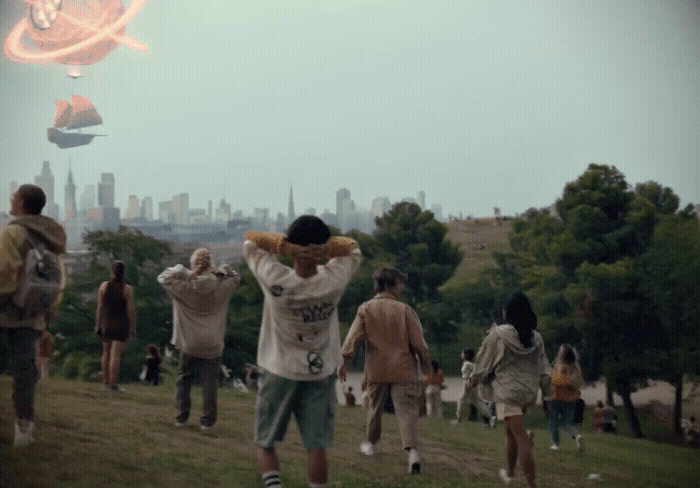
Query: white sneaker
[[180, 425], [504, 476], [454, 422], [413, 461], [368, 449], [554, 447], [23, 433], [579, 443]]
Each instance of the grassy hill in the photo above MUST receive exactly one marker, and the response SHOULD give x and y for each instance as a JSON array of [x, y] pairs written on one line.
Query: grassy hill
[[87, 437], [478, 239]]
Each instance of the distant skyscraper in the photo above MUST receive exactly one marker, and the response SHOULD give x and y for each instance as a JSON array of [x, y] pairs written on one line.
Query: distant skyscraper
[[147, 208], [262, 215], [341, 196], [223, 213], [181, 208], [105, 191], [436, 208], [290, 210], [70, 207], [87, 199], [209, 212], [133, 208], [165, 212], [380, 206], [421, 199], [45, 181]]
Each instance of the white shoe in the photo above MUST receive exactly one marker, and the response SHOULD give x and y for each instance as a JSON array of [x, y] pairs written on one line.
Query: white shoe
[[23, 433], [454, 421], [413, 461], [180, 425], [579, 443], [554, 447], [504, 476], [368, 449], [205, 427]]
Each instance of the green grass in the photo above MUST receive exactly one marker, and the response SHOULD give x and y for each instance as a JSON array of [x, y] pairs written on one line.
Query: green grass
[[469, 236], [87, 437]]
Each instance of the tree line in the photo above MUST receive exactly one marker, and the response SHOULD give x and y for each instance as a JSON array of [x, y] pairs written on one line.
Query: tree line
[[612, 271]]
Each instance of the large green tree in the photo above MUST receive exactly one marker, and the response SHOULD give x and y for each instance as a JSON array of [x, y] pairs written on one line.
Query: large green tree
[[583, 267], [671, 268]]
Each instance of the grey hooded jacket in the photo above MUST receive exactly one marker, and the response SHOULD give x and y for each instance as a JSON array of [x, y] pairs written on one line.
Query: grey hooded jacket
[[510, 373]]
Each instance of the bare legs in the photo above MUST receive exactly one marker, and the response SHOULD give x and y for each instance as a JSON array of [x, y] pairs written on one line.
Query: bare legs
[[317, 465], [111, 361], [519, 446]]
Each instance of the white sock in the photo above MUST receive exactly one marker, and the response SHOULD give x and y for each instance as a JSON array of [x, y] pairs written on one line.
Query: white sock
[[271, 479]]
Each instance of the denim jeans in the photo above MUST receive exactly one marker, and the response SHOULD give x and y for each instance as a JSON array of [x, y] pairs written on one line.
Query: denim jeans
[[209, 370], [22, 346], [561, 416]]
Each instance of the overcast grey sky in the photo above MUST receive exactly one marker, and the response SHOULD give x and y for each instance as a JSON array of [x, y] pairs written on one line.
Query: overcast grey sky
[[480, 104]]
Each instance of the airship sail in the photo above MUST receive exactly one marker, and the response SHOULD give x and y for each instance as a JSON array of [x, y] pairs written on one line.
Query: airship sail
[[63, 113], [84, 113]]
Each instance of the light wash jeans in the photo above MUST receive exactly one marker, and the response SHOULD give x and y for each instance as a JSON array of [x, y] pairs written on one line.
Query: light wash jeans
[[561, 417]]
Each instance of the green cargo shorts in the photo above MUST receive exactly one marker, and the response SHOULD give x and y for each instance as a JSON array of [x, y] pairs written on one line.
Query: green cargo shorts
[[311, 402]]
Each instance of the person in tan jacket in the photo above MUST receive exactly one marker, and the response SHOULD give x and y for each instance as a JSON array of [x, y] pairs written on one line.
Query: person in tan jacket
[[395, 345]]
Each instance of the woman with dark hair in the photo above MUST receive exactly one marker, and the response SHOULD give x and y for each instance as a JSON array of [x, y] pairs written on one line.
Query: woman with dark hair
[[511, 367], [115, 322]]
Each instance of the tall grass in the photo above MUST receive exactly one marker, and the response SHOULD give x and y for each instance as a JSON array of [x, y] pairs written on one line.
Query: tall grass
[[87, 437]]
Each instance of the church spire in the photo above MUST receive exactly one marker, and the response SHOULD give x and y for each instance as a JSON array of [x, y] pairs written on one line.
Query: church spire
[[290, 211]]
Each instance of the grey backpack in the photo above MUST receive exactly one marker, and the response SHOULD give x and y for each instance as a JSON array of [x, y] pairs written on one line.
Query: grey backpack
[[39, 283]]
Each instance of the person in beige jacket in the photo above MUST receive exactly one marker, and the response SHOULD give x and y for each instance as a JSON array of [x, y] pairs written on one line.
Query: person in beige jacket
[[394, 342], [200, 303]]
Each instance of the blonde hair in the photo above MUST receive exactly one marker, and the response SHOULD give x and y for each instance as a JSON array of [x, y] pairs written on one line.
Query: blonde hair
[[200, 261], [567, 355]]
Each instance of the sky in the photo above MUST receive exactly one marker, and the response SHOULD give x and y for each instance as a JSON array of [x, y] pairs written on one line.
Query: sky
[[479, 104]]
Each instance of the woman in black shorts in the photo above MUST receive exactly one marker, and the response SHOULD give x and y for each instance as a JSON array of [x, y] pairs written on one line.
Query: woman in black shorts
[[115, 322]]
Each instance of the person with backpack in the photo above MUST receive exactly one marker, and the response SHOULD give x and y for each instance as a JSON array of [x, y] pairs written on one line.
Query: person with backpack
[[32, 276]]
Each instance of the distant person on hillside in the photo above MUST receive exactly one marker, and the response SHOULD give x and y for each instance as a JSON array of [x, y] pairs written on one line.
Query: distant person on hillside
[[610, 420], [200, 303], [299, 345], [152, 365], [394, 346], [28, 230], [434, 381], [511, 367], [115, 323], [44, 357], [691, 431], [350, 397], [469, 399], [598, 417], [567, 380]]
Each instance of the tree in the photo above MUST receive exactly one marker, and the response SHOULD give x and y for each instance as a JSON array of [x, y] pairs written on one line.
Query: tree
[[591, 253], [416, 244], [671, 270]]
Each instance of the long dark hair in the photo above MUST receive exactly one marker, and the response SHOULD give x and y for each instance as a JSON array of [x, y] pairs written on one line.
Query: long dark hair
[[115, 286], [519, 314]]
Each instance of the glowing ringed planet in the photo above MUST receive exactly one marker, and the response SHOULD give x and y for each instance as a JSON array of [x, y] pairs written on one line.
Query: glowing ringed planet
[[72, 31]]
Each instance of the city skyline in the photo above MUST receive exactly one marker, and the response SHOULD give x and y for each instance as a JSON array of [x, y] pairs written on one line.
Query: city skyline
[[479, 104]]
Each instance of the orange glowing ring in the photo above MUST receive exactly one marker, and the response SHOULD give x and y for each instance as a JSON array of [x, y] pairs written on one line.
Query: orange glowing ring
[[15, 51]]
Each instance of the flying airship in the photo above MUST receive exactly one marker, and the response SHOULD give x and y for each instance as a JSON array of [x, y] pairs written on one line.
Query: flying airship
[[69, 116]]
